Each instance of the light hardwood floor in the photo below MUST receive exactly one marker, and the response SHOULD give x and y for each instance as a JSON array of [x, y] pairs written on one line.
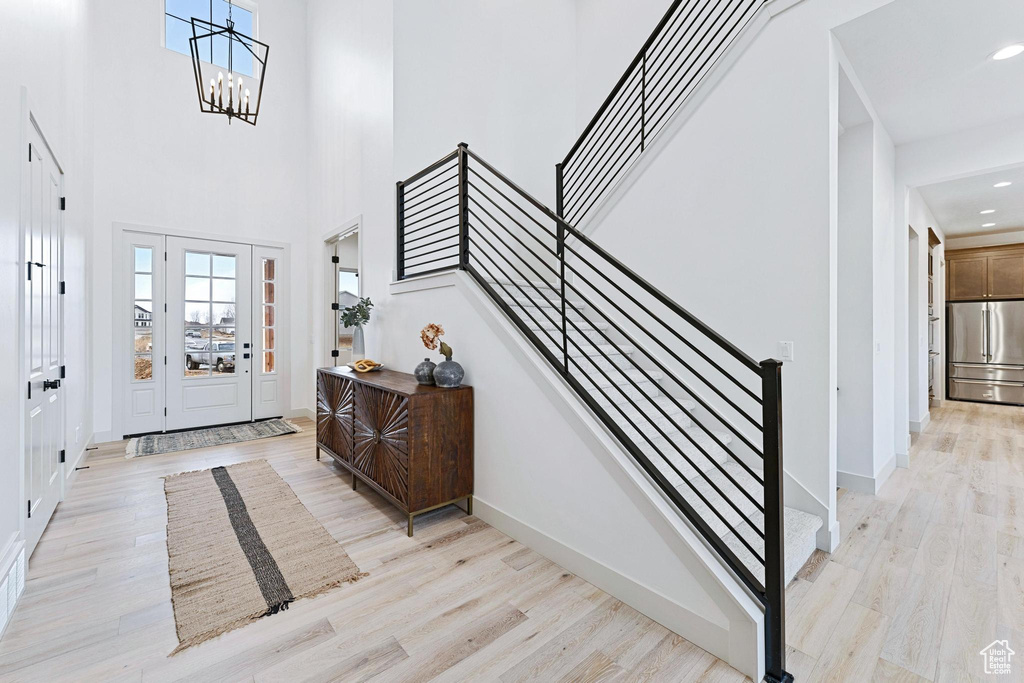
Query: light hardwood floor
[[457, 602], [930, 570]]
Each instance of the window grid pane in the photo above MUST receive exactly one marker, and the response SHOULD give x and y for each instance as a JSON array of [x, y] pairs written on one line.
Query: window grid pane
[[178, 31], [142, 316], [269, 315], [209, 314]]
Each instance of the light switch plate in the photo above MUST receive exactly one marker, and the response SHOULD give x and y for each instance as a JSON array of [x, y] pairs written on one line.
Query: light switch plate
[[786, 350]]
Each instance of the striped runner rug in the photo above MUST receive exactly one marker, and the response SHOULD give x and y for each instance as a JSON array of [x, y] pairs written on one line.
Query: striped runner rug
[[242, 546]]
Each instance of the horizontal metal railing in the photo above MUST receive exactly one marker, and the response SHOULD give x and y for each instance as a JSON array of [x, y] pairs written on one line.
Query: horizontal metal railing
[[697, 414], [690, 38]]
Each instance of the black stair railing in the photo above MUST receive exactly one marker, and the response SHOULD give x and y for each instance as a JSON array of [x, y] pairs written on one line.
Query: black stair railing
[[690, 38], [697, 414]]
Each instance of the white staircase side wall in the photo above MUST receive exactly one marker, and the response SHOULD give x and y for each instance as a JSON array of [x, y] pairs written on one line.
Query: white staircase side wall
[[729, 212], [549, 475]]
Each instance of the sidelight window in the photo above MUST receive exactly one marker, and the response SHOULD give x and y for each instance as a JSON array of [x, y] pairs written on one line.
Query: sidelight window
[[142, 319], [269, 314]]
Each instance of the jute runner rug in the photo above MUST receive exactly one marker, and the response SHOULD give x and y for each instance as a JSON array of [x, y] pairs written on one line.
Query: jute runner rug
[[242, 546]]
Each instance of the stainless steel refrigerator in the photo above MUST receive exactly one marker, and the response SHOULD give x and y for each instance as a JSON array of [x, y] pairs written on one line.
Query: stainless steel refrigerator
[[986, 351]]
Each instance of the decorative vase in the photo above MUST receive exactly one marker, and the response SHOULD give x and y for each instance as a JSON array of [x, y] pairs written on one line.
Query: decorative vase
[[358, 345], [424, 372], [448, 374]]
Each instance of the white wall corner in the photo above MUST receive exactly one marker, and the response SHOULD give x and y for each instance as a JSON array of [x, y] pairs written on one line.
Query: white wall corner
[[917, 426], [797, 496], [302, 412], [861, 483]]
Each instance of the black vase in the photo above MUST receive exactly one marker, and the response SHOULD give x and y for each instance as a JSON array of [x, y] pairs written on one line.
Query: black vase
[[424, 372]]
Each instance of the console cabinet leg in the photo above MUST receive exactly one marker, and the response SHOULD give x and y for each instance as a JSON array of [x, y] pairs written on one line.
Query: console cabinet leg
[[410, 526], [469, 505], [317, 452], [354, 481]]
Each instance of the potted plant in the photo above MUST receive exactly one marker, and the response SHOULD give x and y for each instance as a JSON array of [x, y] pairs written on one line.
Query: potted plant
[[355, 316]]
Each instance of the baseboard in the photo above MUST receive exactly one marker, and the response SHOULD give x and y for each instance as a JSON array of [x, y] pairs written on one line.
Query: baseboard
[[918, 426], [658, 607], [302, 412], [828, 540], [861, 483], [13, 565], [903, 460]]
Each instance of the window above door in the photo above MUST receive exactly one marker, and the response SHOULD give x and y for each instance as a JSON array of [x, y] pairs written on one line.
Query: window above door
[[178, 30]]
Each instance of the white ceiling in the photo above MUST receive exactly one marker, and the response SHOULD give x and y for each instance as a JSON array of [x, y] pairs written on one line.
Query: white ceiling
[[957, 203], [925, 64]]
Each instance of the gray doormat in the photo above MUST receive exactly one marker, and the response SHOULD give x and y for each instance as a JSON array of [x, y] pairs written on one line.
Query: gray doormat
[[155, 444]]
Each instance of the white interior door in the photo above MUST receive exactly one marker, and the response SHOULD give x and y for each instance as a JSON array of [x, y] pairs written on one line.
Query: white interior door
[[44, 427], [209, 333]]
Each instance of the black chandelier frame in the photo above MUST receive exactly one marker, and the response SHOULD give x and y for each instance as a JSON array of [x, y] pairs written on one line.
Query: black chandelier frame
[[203, 30]]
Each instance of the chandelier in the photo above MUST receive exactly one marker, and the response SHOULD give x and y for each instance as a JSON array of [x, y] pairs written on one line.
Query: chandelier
[[216, 49]]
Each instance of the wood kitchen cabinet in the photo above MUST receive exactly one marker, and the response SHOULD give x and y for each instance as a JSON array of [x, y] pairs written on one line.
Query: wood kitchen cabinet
[[985, 273]]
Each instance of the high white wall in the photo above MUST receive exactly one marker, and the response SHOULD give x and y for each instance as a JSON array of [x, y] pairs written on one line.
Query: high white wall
[[159, 162], [498, 76], [43, 49]]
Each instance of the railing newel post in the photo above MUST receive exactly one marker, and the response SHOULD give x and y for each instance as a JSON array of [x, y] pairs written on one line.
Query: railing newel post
[[400, 223], [774, 523], [463, 159]]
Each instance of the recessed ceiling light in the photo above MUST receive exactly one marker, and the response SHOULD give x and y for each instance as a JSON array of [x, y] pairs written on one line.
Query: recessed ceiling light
[[988, 225], [1005, 183], [1008, 51], [988, 211]]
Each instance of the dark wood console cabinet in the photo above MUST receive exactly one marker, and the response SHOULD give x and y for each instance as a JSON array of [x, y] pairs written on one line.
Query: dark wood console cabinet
[[410, 443]]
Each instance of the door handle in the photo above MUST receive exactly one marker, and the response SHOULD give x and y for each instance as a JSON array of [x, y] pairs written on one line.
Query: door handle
[[51, 384]]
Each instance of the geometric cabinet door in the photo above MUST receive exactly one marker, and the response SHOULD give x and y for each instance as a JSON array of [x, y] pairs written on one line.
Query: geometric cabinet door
[[334, 414]]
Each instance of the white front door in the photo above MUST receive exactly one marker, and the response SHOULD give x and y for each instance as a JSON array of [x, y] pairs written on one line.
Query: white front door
[[209, 326], [44, 428]]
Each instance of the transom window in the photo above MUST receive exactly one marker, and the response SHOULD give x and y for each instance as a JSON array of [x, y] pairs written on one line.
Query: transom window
[[178, 30], [209, 314]]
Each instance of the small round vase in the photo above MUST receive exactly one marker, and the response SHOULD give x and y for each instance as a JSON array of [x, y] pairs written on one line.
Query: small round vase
[[448, 374], [424, 372]]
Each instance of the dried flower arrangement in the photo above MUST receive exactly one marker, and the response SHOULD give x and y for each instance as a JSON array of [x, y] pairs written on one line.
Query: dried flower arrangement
[[430, 335]]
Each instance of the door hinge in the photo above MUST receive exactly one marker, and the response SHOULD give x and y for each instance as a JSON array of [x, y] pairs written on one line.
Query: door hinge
[[63, 287], [29, 271], [165, 308], [29, 507], [335, 307], [63, 455], [165, 412], [165, 360], [63, 204], [63, 371], [334, 353], [30, 151], [335, 259], [30, 389], [165, 256]]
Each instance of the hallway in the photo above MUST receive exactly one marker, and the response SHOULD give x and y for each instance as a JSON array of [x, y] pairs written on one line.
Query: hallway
[[930, 570]]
